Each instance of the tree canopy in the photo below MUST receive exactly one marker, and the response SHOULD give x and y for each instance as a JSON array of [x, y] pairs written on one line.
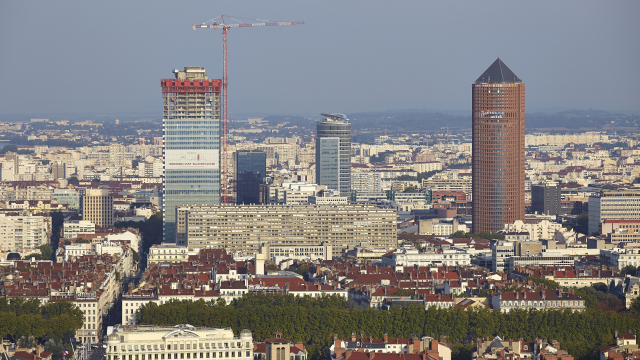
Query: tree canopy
[[313, 320], [25, 318]]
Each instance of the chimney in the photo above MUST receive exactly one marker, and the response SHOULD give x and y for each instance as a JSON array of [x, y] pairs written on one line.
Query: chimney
[[434, 345], [353, 336], [501, 352], [416, 345], [511, 345], [386, 338]]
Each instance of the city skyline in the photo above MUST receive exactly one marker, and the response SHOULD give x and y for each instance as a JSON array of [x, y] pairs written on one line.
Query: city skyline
[[422, 57]]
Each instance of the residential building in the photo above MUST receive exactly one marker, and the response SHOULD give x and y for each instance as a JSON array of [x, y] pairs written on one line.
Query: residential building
[[168, 253], [333, 153], [251, 169], [626, 347], [539, 300], [412, 257], [71, 228], [20, 232], [366, 181], [191, 143], [497, 348], [389, 348], [176, 342], [440, 227], [500, 252], [246, 227], [97, 207], [620, 257], [498, 97]]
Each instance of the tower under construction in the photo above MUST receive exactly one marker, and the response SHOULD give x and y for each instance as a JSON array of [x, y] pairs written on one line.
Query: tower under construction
[[191, 143]]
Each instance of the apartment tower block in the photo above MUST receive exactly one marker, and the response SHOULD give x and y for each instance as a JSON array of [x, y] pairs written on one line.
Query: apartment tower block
[[498, 149]]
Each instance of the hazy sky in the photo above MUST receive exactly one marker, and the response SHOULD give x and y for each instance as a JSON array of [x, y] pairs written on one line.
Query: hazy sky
[[109, 56]]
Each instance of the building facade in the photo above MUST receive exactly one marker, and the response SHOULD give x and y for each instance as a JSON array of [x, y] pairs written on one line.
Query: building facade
[[245, 228], [251, 169], [546, 199], [613, 205], [498, 148], [129, 342], [97, 207], [23, 232], [191, 143], [333, 153]]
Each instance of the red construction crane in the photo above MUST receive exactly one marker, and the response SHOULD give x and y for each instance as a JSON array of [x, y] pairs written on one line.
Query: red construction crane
[[222, 25]]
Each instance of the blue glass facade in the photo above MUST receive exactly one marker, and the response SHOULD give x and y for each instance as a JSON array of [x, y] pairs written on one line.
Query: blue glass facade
[[251, 169], [191, 144]]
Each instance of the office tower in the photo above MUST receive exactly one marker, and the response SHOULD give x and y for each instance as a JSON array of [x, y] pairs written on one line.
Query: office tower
[[546, 198], [333, 153], [191, 143], [245, 228], [97, 207], [251, 169], [498, 148], [613, 205]]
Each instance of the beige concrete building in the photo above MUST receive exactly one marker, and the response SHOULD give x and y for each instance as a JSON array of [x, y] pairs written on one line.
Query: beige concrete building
[[169, 253], [129, 342], [245, 228], [23, 232], [97, 207]]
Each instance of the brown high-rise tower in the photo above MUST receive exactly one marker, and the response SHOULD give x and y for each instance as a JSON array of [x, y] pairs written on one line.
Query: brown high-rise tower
[[498, 148]]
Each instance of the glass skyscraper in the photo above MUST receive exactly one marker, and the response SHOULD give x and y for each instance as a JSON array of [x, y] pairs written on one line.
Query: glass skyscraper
[[191, 143], [333, 153], [251, 167]]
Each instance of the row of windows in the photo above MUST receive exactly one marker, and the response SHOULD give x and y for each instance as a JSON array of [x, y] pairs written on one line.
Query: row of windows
[[207, 355]]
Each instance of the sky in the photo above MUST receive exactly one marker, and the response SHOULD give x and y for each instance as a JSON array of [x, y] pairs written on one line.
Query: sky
[[108, 57]]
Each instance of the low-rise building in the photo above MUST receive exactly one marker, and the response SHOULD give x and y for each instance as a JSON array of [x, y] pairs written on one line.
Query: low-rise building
[[539, 300], [178, 342], [412, 257], [71, 228]]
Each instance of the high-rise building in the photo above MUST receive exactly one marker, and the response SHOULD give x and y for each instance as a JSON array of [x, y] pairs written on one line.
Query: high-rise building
[[191, 143], [97, 207], [251, 169], [333, 153], [546, 198], [498, 148]]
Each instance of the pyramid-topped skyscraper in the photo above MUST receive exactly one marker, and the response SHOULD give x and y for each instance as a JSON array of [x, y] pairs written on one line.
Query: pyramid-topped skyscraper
[[498, 148], [498, 72]]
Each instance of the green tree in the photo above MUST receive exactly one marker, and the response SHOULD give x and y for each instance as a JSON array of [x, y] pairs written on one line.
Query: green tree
[[9, 148], [635, 306], [46, 251], [629, 269]]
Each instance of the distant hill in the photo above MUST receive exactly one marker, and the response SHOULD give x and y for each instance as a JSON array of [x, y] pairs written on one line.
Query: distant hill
[[423, 120]]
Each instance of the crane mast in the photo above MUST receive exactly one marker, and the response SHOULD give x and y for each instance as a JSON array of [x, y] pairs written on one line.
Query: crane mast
[[222, 25]]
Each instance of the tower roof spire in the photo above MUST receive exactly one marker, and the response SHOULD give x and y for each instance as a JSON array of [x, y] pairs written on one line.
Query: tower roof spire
[[498, 72]]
